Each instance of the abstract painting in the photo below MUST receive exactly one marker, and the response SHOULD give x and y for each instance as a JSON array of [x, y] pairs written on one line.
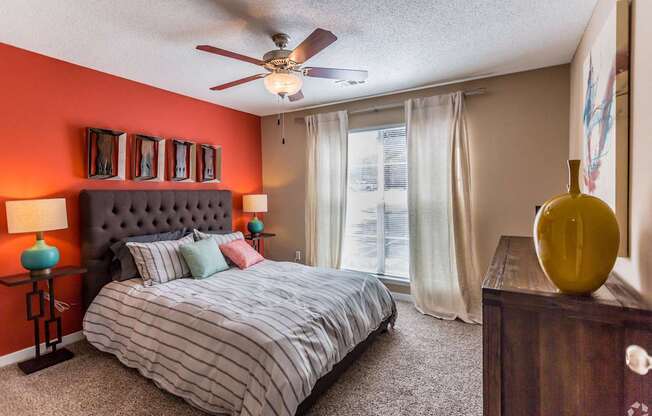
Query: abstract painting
[[182, 161], [209, 163], [148, 158], [105, 154], [605, 117]]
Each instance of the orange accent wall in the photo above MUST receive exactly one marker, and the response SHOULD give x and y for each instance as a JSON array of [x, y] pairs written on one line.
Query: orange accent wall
[[45, 107]]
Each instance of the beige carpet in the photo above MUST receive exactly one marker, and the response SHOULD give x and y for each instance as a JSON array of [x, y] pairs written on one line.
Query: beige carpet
[[425, 367]]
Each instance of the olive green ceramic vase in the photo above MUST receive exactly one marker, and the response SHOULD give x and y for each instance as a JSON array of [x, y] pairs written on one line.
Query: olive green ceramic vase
[[576, 238]]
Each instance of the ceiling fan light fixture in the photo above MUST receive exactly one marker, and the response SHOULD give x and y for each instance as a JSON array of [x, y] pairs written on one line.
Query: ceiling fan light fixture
[[286, 67], [283, 83]]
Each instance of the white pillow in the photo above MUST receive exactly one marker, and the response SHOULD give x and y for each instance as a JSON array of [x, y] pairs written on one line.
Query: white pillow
[[219, 238], [160, 261]]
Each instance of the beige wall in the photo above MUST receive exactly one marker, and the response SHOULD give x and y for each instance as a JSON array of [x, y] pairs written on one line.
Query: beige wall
[[519, 145], [637, 268]]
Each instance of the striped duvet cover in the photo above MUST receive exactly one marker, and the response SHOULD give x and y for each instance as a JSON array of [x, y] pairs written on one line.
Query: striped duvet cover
[[242, 342]]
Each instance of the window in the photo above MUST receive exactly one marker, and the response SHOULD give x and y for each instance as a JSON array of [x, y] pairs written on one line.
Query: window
[[376, 235]]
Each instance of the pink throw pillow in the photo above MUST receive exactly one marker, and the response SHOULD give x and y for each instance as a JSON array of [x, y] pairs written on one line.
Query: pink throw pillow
[[241, 253]]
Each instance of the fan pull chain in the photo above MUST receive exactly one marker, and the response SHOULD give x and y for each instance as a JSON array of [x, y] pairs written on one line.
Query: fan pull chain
[[283, 128], [280, 119]]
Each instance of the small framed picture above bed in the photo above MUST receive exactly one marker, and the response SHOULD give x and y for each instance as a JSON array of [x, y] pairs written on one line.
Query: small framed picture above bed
[[148, 156], [182, 160], [209, 163], [105, 154]]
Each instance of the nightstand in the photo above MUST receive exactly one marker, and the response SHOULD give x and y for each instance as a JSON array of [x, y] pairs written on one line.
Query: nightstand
[[257, 238], [36, 298]]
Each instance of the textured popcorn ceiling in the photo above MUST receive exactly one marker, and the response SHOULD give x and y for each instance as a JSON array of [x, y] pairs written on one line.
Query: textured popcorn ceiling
[[403, 44]]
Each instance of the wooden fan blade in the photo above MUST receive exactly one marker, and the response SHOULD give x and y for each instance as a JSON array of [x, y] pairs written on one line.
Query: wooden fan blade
[[296, 97], [238, 82], [312, 45], [229, 54], [334, 73]]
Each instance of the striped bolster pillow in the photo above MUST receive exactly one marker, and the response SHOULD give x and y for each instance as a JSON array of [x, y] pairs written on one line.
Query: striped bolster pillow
[[160, 261], [219, 238]]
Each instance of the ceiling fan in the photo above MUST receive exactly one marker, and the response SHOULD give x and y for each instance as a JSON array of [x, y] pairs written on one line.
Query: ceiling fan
[[285, 70]]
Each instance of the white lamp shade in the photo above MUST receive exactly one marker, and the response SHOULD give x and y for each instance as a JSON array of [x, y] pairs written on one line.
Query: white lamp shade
[[283, 83], [36, 215], [254, 203]]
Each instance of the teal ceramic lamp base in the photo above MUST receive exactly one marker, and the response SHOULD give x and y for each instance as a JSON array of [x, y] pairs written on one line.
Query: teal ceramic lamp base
[[40, 258], [255, 226]]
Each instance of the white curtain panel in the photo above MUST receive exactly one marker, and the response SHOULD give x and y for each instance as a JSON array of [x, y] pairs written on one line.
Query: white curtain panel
[[443, 273], [326, 187]]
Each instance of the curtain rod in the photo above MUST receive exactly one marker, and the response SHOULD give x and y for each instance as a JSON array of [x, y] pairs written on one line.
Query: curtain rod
[[467, 93]]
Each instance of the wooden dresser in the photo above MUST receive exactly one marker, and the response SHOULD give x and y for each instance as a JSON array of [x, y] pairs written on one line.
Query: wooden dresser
[[551, 354]]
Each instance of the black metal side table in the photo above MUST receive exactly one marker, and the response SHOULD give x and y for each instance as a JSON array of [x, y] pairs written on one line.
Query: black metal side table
[[55, 355], [257, 238]]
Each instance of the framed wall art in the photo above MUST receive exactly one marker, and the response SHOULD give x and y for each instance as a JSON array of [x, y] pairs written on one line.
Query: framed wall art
[[209, 163], [605, 118], [182, 158], [106, 154], [148, 156]]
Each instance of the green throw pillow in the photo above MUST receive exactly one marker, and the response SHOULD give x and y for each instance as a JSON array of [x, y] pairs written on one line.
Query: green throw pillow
[[204, 258]]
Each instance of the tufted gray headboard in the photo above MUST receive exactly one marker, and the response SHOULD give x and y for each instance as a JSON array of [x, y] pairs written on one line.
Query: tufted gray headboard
[[109, 216]]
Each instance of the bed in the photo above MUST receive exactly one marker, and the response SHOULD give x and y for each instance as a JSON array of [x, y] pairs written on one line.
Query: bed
[[267, 340]]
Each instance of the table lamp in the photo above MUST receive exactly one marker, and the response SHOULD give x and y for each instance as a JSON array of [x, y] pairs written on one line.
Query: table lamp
[[255, 203], [37, 216]]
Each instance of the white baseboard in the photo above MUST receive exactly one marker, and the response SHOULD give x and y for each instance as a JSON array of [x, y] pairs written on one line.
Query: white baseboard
[[402, 296], [27, 353]]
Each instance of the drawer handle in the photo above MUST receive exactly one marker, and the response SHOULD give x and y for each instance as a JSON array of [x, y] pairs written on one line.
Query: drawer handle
[[638, 360]]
